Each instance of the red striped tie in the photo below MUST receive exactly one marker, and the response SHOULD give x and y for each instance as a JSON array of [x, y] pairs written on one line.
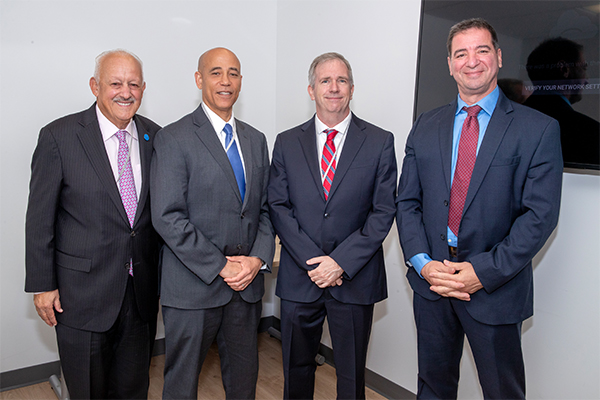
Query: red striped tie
[[467, 152], [328, 161]]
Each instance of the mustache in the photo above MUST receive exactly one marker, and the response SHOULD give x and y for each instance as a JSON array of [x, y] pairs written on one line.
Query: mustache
[[121, 99]]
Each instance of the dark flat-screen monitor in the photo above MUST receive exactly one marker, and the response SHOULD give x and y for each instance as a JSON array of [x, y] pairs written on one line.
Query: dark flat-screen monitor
[[551, 62]]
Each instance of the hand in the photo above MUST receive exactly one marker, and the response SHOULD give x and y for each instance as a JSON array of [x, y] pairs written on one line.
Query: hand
[[45, 304], [327, 273], [451, 279], [248, 269]]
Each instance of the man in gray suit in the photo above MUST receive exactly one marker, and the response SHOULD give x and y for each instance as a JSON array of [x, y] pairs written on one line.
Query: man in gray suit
[[209, 203]]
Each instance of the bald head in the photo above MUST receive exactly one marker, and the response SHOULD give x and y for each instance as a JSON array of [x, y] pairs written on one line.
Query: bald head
[[219, 76]]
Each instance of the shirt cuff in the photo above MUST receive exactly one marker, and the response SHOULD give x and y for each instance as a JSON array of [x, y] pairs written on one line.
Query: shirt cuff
[[418, 261]]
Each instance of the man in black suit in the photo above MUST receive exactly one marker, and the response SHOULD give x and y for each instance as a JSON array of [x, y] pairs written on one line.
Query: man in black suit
[[478, 196], [91, 251], [209, 203], [331, 195], [557, 68]]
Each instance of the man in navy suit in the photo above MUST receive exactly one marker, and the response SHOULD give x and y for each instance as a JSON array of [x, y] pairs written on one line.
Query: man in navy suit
[[469, 240], [331, 195]]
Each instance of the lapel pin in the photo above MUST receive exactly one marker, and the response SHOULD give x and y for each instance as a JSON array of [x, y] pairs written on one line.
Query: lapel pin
[[146, 137]]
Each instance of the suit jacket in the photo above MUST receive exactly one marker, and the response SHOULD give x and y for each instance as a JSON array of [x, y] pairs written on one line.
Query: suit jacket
[[511, 207], [78, 237], [349, 227], [579, 134], [198, 210]]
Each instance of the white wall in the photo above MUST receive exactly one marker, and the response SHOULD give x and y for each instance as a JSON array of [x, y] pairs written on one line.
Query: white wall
[[46, 58]]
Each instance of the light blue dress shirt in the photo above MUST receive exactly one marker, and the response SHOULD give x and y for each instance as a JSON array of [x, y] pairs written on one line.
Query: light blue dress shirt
[[487, 104]]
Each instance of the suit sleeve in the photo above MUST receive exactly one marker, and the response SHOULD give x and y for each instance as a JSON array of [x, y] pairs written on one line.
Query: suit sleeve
[[409, 204], [358, 248], [44, 195], [169, 178], [297, 243], [264, 243], [529, 231]]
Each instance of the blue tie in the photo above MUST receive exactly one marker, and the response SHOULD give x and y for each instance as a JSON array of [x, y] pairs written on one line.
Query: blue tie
[[235, 160]]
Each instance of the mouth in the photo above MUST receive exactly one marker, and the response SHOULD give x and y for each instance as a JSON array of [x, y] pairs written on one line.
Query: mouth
[[224, 93], [124, 102]]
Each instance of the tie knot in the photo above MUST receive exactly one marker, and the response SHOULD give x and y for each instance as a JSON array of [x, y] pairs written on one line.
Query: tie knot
[[228, 133], [331, 133], [121, 135], [472, 111]]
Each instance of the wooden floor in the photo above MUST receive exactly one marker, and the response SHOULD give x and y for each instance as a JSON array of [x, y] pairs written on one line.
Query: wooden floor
[[270, 378]]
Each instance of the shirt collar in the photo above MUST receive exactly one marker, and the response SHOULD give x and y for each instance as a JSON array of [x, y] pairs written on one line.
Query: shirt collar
[[342, 127], [108, 129], [217, 122], [488, 103]]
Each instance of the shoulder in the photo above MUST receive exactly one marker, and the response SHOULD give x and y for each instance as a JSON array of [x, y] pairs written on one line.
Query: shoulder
[[69, 123], [297, 130], [147, 123], [373, 131], [250, 130]]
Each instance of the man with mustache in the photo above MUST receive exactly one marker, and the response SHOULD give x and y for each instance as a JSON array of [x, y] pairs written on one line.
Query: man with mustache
[[91, 250], [209, 203]]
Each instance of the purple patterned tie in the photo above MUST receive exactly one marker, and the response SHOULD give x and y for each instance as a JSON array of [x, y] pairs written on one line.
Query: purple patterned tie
[[126, 182], [467, 152]]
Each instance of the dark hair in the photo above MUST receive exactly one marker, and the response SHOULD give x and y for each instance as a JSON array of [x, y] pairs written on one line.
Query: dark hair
[[478, 23], [544, 62]]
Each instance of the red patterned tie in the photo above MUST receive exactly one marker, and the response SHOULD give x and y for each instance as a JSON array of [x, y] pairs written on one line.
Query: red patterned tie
[[467, 152], [328, 161]]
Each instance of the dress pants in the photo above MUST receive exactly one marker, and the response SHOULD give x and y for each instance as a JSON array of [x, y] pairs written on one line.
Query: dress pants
[[441, 327], [301, 329], [112, 364], [189, 335]]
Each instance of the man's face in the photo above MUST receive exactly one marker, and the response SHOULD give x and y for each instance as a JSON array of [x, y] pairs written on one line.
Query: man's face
[[578, 75], [474, 64], [220, 79], [119, 89], [332, 91]]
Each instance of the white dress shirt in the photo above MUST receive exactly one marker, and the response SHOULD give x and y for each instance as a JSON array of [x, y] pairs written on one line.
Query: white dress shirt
[[111, 143], [218, 125], [338, 140]]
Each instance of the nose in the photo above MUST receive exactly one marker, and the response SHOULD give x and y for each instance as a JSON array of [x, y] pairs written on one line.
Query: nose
[[225, 81], [472, 60], [334, 86]]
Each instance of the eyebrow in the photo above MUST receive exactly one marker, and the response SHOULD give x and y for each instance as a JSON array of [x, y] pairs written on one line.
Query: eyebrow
[[482, 46], [219, 68]]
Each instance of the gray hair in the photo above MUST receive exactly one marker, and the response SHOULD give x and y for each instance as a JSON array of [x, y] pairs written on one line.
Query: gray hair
[[327, 57], [477, 23], [107, 53]]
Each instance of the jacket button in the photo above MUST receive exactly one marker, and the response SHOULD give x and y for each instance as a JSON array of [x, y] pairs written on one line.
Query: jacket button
[[132, 234], [127, 265], [242, 216], [326, 215], [443, 237], [446, 203], [239, 246]]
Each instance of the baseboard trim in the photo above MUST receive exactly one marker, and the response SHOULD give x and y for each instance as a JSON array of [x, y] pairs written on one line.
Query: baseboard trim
[[40, 373]]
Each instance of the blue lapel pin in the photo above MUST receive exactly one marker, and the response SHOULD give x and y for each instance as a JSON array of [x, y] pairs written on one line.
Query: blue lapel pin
[[146, 137]]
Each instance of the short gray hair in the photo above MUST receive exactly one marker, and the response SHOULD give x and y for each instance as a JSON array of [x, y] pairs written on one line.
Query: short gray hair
[[327, 57], [100, 58]]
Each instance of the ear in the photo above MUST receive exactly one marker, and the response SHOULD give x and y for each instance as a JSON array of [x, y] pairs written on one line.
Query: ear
[[351, 92], [499, 58], [450, 66], [94, 86], [198, 77], [564, 69], [311, 92]]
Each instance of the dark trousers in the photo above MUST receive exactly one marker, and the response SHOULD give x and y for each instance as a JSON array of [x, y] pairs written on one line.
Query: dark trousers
[[301, 330], [112, 364], [189, 335], [441, 328]]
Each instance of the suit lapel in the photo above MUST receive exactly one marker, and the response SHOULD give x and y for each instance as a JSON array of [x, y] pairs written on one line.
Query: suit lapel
[[206, 133], [145, 155], [354, 140], [494, 134], [246, 148], [445, 135], [91, 141], [308, 142]]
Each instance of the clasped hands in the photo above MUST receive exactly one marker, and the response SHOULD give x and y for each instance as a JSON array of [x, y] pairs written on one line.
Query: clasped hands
[[240, 271], [452, 279], [327, 273]]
